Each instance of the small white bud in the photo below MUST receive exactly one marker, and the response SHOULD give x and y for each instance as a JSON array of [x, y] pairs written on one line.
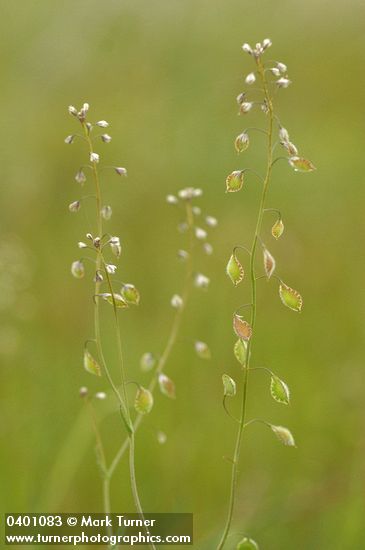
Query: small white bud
[[200, 233], [98, 277], [81, 244], [282, 67], [208, 249], [177, 301], [78, 269], [202, 349], [283, 82], [111, 268], [72, 110], [96, 242], [246, 106], [171, 199], [83, 391], [74, 206], [275, 71], [106, 138], [89, 236], [115, 246], [211, 221], [102, 124], [247, 48], [266, 43], [85, 107], [198, 192], [201, 281], [250, 78], [100, 395], [114, 240], [80, 177], [190, 193], [69, 139], [196, 210], [241, 98], [120, 170], [94, 157]]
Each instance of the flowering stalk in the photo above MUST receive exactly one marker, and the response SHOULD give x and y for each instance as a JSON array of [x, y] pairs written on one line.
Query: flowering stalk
[[245, 330], [118, 301]]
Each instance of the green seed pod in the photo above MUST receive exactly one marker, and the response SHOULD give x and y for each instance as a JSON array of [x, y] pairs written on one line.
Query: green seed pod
[[167, 386], [290, 297], [277, 229], [78, 269], [229, 386], [130, 294], [144, 401], [284, 435], [90, 364], [234, 181], [235, 270], [247, 544]]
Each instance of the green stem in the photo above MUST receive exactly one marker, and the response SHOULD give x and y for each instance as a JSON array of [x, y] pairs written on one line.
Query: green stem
[[237, 450], [123, 401]]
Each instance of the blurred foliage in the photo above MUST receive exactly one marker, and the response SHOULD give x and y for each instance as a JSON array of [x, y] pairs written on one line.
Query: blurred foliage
[[166, 74]]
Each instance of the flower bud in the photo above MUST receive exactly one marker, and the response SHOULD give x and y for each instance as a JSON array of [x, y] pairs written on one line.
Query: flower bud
[[120, 170], [211, 221], [80, 177], [102, 124], [250, 78], [247, 48], [72, 110], [241, 143], [208, 249], [94, 157], [81, 244], [74, 206], [201, 281], [182, 255], [111, 268], [148, 361], [69, 139], [202, 350], [245, 107], [100, 395], [196, 210], [283, 82], [282, 67], [106, 138], [83, 391], [200, 233], [171, 199], [266, 43], [167, 386]]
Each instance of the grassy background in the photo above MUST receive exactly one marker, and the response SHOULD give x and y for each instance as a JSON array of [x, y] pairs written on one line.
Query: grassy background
[[166, 75]]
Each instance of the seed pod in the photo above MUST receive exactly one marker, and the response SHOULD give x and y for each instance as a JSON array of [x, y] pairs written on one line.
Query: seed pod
[[269, 263], [229, 386], [130, 294], [118, 300], [240, 351], [90, 364], [143, 402], [290, 297], [234, 181], [301, 165], [235, 270], [284, 435], [78, 269], [106, 212], [80, 177], [242, 328], [241, 143], [279, 390], [74, 206], [167, 386], [277, 229]]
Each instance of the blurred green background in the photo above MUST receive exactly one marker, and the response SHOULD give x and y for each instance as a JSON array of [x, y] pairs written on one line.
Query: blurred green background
[[166, 74]]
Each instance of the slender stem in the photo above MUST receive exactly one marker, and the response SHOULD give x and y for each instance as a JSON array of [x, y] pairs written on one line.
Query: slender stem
[[266, 182], [123, 400], [175, 327]]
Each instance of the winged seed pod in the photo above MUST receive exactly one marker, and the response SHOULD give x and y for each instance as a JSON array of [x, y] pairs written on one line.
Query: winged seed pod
[[242, 142], [277, 229], [90, 364], [279, 390], [148, 361], [234, 181], [269, 263], [130, 294], [247, 544], [240, 351], [229, 386], [290, 297], [242, 328], [284, 435], [143, 402], [235, 270], [301, 165], [167, 386]]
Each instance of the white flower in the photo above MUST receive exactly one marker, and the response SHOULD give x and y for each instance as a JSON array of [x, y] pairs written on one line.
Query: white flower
[[177, 301], [69, 139], [201, 281], [114, 240], [246, 106], [266, 43], [283, 134], [200, 233], [283, 82], [72, 110], [120, 170], [211, 221], [111, 268], [100, 395], [94, 157], [102, 124], [282, 67], [171, 199], [275, 71], [81, 244], [115, 246], [250, 78], [85, 107], [190, 193], [247, 48], [74, 206], [106, 138]]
